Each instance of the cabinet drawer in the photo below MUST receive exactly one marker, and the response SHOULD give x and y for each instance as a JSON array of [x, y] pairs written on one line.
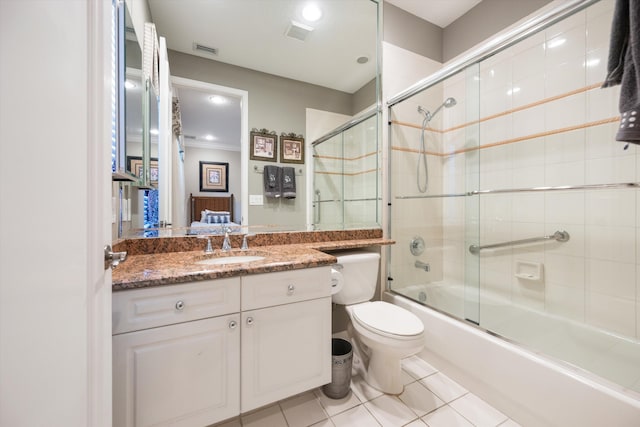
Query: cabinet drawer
[[148, 308], [265, 290]]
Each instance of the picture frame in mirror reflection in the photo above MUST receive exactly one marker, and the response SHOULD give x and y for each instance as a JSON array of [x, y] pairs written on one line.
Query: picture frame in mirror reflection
[[214, 176], [134, 164], [291, 148], [263, 145]]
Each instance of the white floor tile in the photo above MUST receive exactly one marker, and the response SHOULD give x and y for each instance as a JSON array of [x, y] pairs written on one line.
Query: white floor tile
[[416, 423], [443, 387], [324, 423], [479, 412], [406, 378], [303, 410], [417, 367], [358, 416], [231, 423], [335, 406], [271, 416], [420, 399], [390, 411], [446, 417], [510, 423], [363, 390]]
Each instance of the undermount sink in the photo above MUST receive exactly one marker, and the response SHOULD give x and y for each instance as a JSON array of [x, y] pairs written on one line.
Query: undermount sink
[[230, 260]]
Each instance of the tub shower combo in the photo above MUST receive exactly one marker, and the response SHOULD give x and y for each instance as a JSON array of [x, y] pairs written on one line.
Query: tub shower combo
[[519, 232]]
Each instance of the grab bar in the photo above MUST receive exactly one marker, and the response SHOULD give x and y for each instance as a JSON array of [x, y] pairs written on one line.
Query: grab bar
[[559, 236]]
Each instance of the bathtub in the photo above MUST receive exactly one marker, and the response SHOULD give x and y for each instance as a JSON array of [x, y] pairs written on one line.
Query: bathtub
[[531, 388]]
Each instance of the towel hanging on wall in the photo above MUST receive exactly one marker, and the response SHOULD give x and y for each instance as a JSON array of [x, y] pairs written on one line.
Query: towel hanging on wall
[[288, 182], [623, 67], [272, 179]]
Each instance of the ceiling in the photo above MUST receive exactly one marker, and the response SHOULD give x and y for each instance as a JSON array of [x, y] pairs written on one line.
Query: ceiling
[[251, 34]]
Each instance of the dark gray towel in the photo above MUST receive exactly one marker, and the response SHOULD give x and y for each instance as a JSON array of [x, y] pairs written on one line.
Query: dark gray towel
[[272, 181], [623, 67], [288, 183]]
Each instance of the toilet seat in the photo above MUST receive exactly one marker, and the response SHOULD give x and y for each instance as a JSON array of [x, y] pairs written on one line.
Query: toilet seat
[[387, 319]]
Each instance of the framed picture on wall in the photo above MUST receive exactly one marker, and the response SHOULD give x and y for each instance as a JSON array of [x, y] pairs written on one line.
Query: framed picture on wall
[[263, 145], [291, 148], [214, 176], [134, 164]]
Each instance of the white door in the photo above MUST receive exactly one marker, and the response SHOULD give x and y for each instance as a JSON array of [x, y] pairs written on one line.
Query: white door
[[285, 350], [55, 81]]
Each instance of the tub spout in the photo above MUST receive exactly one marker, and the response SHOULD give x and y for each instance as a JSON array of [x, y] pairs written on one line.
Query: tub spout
[[423, 265]]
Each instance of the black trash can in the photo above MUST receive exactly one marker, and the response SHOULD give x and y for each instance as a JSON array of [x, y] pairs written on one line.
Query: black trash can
[[341, 360]]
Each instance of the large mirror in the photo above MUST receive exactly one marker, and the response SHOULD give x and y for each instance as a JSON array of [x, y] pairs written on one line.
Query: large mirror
[[130, 98], [301, 78]]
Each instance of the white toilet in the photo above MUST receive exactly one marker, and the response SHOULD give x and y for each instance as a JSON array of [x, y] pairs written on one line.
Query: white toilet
[[381, 333]]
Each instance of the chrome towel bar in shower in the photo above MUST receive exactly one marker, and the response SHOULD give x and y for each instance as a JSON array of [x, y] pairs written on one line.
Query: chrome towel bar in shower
[[559, 236]]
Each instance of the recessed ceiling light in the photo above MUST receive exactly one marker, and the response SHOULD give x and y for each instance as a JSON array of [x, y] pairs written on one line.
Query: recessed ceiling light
[[217, 99], [514, 90], [154, 132], [362, 60], [209, 137], [128, 84], [311, 13]]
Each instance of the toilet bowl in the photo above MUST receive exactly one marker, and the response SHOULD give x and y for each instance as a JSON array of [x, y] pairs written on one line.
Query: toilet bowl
[[382, 334]]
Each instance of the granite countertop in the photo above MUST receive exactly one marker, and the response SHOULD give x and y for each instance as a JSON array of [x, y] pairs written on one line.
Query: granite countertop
[[157, 269]]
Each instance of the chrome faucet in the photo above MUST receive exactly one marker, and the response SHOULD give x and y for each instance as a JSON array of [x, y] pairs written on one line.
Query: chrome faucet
[[423, 265]]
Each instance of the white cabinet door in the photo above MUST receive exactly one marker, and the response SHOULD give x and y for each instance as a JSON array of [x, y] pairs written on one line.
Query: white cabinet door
[[179, 375], [285, 350]]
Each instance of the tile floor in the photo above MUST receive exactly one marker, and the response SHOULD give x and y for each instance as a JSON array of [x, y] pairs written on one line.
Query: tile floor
[[430, 398]]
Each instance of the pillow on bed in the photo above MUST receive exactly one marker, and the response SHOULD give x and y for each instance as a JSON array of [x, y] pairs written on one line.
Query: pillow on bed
[[206, 214]]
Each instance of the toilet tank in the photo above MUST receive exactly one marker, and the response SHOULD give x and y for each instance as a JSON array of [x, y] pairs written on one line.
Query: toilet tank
[[360, 273]]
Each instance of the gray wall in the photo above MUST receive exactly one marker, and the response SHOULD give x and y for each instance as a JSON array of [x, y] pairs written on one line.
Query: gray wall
[[424, 38], [412, 33], [364, 97], [481, 22], [275, 103]]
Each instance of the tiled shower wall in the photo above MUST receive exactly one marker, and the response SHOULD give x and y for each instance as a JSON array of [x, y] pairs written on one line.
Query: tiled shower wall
[[545, 121], [533, 115]]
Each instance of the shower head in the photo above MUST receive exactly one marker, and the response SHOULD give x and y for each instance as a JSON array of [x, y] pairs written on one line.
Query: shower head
[[448, 103]]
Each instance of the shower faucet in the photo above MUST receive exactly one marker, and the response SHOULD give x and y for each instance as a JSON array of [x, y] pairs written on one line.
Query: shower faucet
[[423, 265]]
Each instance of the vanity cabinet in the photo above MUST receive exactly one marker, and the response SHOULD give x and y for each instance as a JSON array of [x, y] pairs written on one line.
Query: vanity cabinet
[[176, 354], [286, 334], [195, 354]]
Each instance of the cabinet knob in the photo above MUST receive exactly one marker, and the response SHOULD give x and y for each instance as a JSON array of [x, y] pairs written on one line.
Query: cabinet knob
[[180, 305], [249, 321], [290, 289], [233, 324]]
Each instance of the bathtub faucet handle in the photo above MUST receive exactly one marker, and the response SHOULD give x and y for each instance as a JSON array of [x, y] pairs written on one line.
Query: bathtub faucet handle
[[423, 265]]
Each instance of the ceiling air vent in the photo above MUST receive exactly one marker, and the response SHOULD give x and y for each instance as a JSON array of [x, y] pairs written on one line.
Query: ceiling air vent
[[298, 31], [189, 137], [205, 49]]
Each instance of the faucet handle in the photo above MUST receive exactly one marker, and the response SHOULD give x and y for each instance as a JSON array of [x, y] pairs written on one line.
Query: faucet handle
[[209, 248], [245, 245]]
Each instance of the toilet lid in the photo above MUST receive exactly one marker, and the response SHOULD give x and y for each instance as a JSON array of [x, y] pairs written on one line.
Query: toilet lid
[[388, 318]]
